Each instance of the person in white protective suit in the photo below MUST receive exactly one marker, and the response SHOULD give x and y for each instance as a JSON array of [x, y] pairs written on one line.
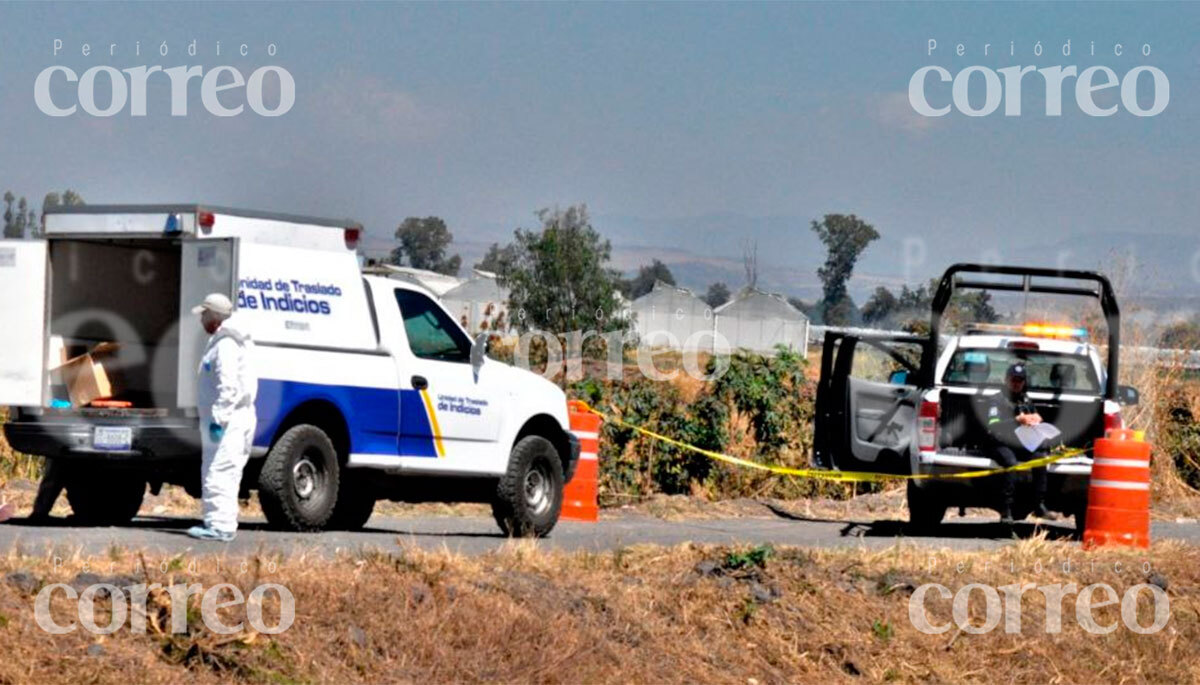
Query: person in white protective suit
[[225, 393]]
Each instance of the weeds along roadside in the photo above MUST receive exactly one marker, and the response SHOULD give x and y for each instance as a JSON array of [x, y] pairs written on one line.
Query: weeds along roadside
[[761, 408], [645, 614]]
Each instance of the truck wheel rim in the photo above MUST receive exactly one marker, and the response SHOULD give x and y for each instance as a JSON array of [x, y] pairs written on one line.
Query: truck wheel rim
[[537, 489], [304, 478]]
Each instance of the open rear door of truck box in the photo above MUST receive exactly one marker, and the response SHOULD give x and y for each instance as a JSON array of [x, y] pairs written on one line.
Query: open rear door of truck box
[[208, 266], [23, 311]]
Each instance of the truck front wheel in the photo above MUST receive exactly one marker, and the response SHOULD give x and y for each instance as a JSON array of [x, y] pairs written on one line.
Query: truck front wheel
[[355, 502], [298, 485], [529, 495], [99, 499]]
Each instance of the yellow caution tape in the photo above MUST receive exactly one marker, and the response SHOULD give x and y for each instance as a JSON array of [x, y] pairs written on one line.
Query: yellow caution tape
[[840, 476]]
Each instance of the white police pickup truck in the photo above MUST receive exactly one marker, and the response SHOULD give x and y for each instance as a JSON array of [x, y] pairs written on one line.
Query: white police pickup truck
[[896, 404], [368, 389]]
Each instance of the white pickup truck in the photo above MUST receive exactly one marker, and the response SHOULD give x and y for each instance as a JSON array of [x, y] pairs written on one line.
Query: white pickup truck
[[899, 404], [368, 388]]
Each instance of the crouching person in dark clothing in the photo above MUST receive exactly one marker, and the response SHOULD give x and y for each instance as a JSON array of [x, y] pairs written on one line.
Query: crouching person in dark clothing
[[1006, 411]]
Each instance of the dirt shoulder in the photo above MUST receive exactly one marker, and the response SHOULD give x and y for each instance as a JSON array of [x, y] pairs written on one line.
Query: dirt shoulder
[[643, 614]]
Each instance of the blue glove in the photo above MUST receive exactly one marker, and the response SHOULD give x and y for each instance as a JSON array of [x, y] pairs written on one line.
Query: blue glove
[[215, 431]]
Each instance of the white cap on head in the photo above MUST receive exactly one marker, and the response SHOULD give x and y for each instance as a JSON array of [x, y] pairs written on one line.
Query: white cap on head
[[216, 303]]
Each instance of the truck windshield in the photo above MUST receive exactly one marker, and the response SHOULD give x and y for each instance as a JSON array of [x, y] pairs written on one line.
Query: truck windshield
[[1048, 371]]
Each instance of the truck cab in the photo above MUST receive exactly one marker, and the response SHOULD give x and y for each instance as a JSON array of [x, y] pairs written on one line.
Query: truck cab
[[916, 404], [368, 388]]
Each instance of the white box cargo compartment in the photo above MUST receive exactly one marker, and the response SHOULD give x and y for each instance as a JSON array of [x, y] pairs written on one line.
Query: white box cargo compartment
[[132, 291]]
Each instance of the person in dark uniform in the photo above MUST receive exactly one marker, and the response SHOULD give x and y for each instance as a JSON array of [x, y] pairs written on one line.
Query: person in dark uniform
[[1006, 411]]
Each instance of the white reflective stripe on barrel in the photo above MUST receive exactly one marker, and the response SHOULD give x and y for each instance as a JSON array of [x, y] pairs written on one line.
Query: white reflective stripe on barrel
[[591, 456], [1119, 485], [1128, 463], [586, 435]]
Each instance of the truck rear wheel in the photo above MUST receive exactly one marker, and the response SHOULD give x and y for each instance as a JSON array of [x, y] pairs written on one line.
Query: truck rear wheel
[[529, 496], [355, 503], [104, 499], [925, 508], [298, 485]]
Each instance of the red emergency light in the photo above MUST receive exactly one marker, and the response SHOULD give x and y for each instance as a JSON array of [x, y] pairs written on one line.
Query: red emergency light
[[352, 234], [206, 220]]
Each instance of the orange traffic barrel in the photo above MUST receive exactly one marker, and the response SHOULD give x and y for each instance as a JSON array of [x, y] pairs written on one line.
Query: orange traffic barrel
[[1118, 511], [581, 494]]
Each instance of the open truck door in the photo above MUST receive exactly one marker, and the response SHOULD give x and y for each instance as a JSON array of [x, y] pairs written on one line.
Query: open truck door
[[23, 274], [207, 266], [867, 400]]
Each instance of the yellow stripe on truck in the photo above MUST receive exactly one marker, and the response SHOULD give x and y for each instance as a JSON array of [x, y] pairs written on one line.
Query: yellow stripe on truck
[[433, 424]]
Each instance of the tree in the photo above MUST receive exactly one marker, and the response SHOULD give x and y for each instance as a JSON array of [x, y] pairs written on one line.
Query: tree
[[423, 244], [880, 307], [9, 223], [845, 238], [559, 280], [644, 281], [717, 295], [496, 259], [68, 198], [750, 263], [809, 309], [22, 219]]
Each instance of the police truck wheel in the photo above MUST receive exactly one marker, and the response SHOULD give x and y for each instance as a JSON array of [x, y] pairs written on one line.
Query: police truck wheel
[[104, 499], [925, 508], [298, 485], [355, 503], [529, 496]]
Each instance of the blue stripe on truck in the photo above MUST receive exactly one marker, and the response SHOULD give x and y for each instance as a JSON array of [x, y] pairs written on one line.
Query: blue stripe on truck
[[380, 420]]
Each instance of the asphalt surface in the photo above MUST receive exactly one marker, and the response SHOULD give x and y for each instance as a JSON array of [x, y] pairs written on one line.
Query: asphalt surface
[[476, 535]]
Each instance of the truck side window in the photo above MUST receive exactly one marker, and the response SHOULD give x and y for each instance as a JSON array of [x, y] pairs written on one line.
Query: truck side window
[[432, 334]]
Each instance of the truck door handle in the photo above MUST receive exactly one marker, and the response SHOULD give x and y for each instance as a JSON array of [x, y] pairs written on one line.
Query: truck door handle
[[419, 383]]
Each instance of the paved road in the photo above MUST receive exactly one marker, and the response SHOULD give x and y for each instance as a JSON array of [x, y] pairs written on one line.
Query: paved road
[[472, 535]]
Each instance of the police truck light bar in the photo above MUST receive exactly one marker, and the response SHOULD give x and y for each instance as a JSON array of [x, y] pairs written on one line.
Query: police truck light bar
[[1033, 330]]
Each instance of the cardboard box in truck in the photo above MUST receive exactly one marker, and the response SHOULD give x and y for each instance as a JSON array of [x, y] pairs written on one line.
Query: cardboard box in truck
[[86, 377]]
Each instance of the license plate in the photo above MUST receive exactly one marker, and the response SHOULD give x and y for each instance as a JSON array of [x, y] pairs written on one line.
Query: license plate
[[112, 438]]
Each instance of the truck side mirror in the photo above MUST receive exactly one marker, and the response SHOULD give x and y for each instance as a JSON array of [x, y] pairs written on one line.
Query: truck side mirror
[[479, 350], [1128, 395]]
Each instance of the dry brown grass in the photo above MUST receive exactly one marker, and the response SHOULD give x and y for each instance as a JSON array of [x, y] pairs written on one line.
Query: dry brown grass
[[632, 615]]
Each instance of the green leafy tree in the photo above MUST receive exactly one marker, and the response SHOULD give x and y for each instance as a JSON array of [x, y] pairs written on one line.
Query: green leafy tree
[[845, 237], [496, 258], [880, 307], [10, 227], [643, 282], [423, 245], [717, 295], [559, 278], [809, 309], [22, 219]]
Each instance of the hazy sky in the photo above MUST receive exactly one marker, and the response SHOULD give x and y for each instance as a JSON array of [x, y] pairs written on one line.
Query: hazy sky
[[481, 113]]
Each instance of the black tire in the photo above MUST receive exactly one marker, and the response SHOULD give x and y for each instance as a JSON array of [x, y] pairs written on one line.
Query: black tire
[[298, 485], [925, 508], [111, 499], [529, 496], [355, 503], [1079, 512]]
